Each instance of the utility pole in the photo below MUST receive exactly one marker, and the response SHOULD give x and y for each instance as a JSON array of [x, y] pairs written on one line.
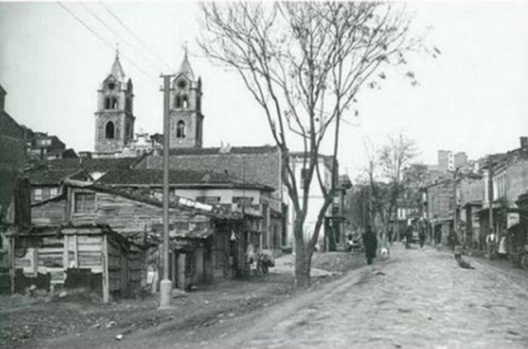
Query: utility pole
[[455, 206], [166, 283], [490, 194]]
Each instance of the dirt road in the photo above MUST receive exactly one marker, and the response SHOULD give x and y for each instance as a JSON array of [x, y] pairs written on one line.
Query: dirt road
[[202, 316], [420, 299]]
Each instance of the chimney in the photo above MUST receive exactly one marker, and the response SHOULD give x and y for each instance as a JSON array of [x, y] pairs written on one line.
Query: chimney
[[224, 149], [22, 203], [524, 142]]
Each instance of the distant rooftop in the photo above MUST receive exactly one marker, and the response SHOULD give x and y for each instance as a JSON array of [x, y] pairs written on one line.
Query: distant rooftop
[[181, 178]]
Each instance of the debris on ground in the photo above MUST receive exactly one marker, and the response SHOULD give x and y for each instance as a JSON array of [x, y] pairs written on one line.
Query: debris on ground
[[81, 317]]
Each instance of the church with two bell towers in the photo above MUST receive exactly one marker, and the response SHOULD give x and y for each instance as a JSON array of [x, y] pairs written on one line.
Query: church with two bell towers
[[115, 119]]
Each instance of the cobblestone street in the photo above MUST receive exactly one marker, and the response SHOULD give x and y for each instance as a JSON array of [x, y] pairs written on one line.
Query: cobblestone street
[[417, 299]]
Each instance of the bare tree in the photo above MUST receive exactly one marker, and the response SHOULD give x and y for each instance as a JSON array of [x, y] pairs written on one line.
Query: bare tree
[[386, 173], [304, 63]]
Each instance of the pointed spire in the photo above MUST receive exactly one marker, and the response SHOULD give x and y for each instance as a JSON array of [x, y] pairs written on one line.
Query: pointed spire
[[185, 67], [117, 70]]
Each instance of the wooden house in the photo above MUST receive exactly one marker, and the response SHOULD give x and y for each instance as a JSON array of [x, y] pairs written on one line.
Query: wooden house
[[88, 256], [204, 240]]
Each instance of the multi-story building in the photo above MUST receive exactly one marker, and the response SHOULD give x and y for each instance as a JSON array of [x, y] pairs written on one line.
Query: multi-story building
[[505, 181], [439, 207], [449, 161]]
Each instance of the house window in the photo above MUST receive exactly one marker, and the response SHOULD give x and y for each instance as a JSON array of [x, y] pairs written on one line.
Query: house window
[[84, 203], [242, 201], [180, 129], [185, 102], [44, 142], [107, 103], [110, 130], [114, 103], [37, 194], [53, 192], [211, 200]]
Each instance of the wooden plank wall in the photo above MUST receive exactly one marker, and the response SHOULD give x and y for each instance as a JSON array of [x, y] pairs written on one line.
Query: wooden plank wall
[[50, 213], [55, 255], [127, 217], [114, 266]]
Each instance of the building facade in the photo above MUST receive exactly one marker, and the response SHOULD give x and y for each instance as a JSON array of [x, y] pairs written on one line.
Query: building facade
[[186, 118], [114, 118]]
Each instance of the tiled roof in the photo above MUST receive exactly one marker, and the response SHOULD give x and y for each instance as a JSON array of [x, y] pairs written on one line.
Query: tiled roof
[[54, 171], [117, 70], [185, 68], [186, 178], [50, 177], [225, 150], [91, 165]]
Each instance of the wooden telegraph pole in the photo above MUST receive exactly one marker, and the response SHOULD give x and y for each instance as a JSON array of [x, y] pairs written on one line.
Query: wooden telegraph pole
[[166, 283]]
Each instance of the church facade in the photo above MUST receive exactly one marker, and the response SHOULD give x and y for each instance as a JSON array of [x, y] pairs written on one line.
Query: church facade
[[114, 118], [186, 118], [115, 135]]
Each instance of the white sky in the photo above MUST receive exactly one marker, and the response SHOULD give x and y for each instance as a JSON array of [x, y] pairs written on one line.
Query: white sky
[[472, 98]]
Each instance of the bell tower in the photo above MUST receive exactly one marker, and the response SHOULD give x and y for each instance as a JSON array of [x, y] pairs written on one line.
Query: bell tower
[[114, 118], [186, 118]]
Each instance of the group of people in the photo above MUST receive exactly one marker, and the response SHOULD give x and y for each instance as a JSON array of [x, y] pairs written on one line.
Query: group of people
[[370, 241], [496, 247]]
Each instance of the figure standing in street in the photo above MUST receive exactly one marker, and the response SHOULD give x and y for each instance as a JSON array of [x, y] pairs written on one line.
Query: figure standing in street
[[349, 243], [503, 251], [370, 241], [421, 236], [408, 236], [491, 242]]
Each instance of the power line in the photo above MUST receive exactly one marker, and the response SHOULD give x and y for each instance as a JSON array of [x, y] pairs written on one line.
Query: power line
[[117, 34], [106, 41], [149, 50]]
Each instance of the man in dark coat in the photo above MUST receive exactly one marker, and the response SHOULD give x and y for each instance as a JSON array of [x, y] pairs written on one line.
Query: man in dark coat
[[370, 241], [422, 237]]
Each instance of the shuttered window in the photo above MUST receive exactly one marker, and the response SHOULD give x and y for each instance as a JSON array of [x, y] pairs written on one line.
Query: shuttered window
[[84, 203]]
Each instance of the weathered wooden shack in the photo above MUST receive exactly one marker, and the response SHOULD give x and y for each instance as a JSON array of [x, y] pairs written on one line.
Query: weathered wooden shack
[[137, 216], [87, 256]]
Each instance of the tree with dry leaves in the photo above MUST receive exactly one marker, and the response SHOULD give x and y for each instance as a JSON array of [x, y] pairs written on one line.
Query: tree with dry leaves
[[304, 63]]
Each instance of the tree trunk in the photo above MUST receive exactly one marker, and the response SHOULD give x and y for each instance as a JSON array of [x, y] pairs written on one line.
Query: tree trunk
[[302, 257], [330, 241]]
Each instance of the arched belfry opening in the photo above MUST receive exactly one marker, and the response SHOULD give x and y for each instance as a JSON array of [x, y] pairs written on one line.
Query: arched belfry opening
[[180, 129], [177, 101], [110, 130]]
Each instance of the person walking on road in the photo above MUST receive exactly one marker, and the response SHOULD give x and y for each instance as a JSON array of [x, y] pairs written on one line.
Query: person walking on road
[[421, 236], [408, 236], [370, 241]]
